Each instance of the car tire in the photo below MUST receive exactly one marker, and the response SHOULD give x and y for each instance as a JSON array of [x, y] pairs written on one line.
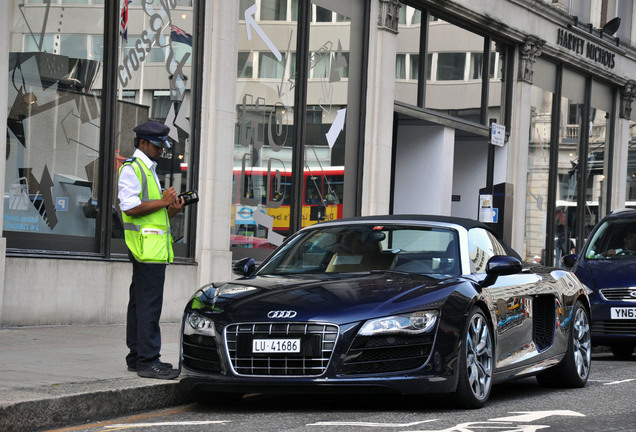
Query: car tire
[[475, 362], [622, 351], [574, 369]]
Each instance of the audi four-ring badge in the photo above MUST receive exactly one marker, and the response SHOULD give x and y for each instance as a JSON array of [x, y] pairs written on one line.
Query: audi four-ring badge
[[388, 304], [281, 314]]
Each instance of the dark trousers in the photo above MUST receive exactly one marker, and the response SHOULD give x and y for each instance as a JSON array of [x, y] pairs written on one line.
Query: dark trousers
[[143, 336]]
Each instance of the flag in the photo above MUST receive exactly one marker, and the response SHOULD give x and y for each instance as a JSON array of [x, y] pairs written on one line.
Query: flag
[[178, 35], [123, 25]]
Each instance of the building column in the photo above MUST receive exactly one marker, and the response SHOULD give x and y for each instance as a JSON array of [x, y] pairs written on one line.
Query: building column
[[519, 140], [378, 134], [4, 72], [218, 117]]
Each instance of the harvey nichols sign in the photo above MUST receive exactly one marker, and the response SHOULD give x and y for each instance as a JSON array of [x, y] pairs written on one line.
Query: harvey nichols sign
[[585, 48]]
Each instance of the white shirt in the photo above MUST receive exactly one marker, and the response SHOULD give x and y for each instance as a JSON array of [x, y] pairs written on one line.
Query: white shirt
[[129, 185]]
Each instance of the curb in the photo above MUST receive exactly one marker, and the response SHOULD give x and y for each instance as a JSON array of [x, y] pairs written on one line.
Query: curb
[[57, 406]]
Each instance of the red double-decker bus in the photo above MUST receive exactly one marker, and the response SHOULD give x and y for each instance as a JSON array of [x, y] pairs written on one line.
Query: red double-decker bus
[[257, 189]]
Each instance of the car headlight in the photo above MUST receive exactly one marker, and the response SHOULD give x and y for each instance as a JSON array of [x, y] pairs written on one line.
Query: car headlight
[[587, 289], [196, 323], [413, 323]]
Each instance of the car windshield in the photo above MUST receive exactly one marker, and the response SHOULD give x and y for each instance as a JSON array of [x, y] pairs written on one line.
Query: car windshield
[[364, 248], [614, 239]]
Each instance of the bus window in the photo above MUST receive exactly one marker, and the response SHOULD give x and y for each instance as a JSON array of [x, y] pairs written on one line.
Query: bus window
[[255, 187], [313, 190], [334, 187]]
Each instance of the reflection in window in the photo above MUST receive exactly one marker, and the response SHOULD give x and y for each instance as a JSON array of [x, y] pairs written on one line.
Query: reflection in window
[[48, 43], [273, 10], [323, 15], [538, 172], [52, 147], [245, 64], [476, 62], [74, 46], [160, 104], [630, 191], [128, 95], [320, 64], [414, 73], [400, 66], [482, 246], [496, 65], [450, 66], [269, 66]]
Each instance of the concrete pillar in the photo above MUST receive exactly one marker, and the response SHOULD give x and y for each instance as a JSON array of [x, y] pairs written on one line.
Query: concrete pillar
[[378, 135], [5, 14], [218, 116]]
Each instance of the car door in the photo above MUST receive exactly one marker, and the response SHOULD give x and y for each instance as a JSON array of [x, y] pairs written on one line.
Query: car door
[[511, 299]]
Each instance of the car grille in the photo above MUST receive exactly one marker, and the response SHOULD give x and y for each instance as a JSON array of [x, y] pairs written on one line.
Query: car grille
[[616, 327], [618, 294], [377, 354], [200, 353], [318, 339], [543, 322]]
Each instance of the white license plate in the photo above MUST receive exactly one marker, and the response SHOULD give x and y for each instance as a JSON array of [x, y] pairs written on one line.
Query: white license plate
[[275, 346], [623, 313]]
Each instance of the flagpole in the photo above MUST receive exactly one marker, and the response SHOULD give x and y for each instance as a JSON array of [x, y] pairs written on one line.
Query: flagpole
[[139, 98], [122, 47]]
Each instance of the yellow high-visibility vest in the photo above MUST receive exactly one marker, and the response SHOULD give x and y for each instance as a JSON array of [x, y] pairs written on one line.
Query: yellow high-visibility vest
[[148, 237]]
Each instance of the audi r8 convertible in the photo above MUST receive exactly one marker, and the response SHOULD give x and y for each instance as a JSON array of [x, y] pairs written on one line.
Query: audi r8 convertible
[[405, 304]]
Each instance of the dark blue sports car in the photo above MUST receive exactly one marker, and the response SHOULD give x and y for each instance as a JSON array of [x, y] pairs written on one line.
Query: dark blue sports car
[[404, 304], [607, 266]]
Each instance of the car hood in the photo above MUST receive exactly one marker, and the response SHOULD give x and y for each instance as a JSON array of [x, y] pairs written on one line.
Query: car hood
[[608, 273], [339, 300]]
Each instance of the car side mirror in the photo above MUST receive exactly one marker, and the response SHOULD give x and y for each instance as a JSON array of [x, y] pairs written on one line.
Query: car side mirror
[[500, 265], [569, 260], [244, 267]]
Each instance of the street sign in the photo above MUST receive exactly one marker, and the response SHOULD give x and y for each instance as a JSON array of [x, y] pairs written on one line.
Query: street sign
[[497, 134]]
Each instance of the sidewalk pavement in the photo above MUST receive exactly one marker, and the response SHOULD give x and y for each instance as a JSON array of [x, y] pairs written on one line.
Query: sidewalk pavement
[[55, 376]]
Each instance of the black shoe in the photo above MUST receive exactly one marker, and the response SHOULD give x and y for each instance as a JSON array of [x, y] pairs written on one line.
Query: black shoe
[[132, 368], [157, 370]]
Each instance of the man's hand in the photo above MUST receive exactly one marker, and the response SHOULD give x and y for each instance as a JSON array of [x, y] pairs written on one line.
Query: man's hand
[[176, 205], [168, 200], [169, 196]]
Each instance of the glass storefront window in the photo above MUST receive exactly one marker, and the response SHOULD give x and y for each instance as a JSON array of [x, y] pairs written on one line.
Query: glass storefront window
[[408, 55], [538, 174], [453, 89], [155, 62], [578, 178], [264, 133], [630, 189], [264, 148], [454, 76], [569, 164], [53, 146]]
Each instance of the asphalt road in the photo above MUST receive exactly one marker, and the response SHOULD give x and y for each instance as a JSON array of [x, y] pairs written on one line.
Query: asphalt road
[[605, 404]]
